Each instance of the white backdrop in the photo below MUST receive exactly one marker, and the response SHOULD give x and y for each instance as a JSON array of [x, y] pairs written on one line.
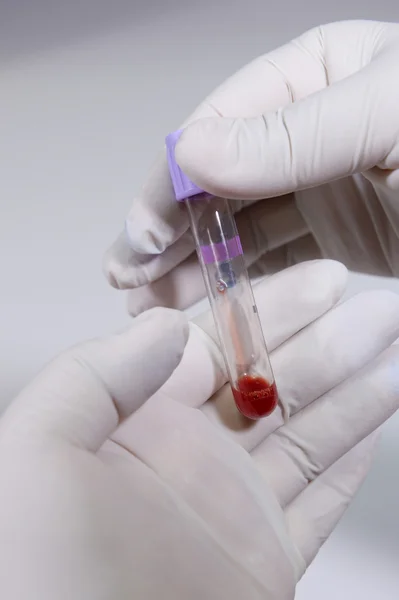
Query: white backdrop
[[88, 90]]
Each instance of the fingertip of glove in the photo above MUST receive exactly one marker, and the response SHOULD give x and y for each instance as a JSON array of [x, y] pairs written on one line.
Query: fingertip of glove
[[318, 282], [204, 150], [122, 269], [113, 270], [172, 323], [338, 276]]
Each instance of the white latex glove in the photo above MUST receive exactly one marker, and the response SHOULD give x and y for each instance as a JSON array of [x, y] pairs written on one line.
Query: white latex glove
[[185, 499], [319, 126]]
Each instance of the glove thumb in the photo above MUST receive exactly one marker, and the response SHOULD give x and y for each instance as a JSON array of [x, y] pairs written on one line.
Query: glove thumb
[[328, 135]]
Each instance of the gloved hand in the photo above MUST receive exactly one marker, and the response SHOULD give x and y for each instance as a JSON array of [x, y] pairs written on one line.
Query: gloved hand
[[103, 496], [318, 136]]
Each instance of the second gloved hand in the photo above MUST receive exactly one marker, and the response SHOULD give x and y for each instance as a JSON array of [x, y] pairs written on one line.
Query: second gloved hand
[[305, 140], [104, 495]]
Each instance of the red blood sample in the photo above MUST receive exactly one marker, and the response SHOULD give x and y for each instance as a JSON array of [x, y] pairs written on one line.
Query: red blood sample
[[255, 397]]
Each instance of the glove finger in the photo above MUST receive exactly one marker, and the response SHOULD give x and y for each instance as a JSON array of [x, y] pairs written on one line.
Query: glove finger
[[297, 146], [156, 220], [262, 227], [317, 359], [320, 434], [180, 288], [81, 396], [126, 269], [313, 515], [287, 302]]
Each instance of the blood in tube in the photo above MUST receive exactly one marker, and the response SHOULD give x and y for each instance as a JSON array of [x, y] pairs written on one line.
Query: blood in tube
[[254, 396]]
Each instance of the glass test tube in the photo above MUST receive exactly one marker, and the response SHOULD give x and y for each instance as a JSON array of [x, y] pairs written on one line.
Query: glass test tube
[[230, 294]]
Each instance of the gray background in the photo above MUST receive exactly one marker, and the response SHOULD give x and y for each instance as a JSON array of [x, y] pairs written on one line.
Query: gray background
[[88, 90]]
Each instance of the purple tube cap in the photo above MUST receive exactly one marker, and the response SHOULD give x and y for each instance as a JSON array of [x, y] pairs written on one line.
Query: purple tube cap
[[182, 185]]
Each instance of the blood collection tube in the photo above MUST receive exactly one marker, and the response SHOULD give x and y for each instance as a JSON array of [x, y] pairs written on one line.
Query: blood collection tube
[[230, 293]]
